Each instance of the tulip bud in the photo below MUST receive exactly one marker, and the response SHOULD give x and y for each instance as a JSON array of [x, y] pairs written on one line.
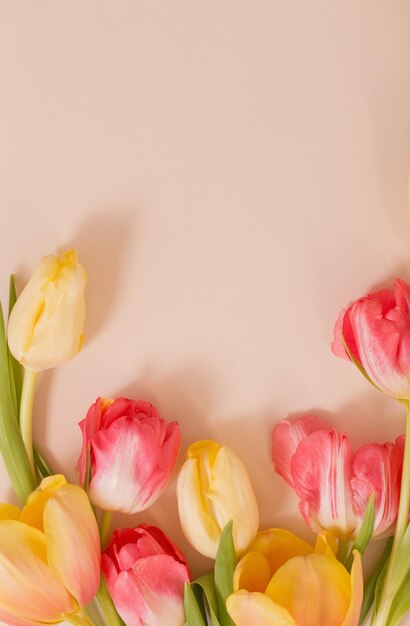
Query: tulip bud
[[214, 488], [133, 452], [46, 324], [49, 555], [146, 574]]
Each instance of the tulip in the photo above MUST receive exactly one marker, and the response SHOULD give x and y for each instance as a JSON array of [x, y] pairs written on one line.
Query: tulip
[[46, 324], [333, 484], [133, 452], [145, 574], [49, 555], [213, 488], [374, 332], [283, 581]]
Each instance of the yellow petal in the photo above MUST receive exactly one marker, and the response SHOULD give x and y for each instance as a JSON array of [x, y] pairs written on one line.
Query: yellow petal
[[73, 545], [252, 573], [256, 609], [8, 511], [315, 589], [326, 544], [33, 511], [199, 527], [233, 498], [279, 545], [29, 590], [356, 578]]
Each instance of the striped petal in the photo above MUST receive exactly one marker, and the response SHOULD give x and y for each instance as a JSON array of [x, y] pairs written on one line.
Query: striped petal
[[256, 609], [322, 469], [286, 436], [73, 542]]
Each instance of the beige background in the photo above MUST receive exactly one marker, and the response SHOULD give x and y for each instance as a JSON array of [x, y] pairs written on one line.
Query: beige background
[[232, 174]]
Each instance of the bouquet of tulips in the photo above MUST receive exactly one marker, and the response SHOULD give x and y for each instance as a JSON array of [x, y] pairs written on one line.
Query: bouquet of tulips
[[60, 560]]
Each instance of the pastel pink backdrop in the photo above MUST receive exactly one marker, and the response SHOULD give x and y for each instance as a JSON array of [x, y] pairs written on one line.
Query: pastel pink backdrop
[[232, 174]]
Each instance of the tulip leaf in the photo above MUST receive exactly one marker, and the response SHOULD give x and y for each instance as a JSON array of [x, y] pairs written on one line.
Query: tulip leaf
[[365, 533], [374, 585], [225, 564], [401, 603], [194, 607], [15, 369], [207, 585], [11, 443], [42, 466]]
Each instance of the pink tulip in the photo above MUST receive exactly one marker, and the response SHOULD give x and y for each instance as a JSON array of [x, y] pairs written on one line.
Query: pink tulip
[[333, 484], [133, 452], [146, 574], [376, 332]]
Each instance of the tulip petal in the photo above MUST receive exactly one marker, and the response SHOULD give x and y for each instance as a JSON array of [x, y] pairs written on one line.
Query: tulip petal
[[133, 462], [232, 497], [286, 437], [33, 511], [256, 609], [73, 542], [278, 546], [377, 469], [151, 593], [29, 590], [199, 527], [314, 589], [378, 340], [252, 573], [356, 598], [321, 469], [9, 511]]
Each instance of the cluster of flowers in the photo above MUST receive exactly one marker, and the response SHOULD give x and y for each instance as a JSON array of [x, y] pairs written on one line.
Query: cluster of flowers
[[54, 548]]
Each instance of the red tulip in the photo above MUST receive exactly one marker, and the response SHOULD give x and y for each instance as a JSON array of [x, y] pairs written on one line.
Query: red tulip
[[146, 574], [333, 484], [133, 452], [375, 332]]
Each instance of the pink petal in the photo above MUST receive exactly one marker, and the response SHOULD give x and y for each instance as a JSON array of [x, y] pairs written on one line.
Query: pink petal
[[378, 341], [130, 408], [133, 461], [89, 426], [286, 436], [321, 470], [151, 593], [377, 469]]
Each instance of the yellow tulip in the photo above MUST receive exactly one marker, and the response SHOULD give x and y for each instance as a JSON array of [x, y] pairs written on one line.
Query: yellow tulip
[[46, 324], [214, 488], [49, 555], [284, 581]]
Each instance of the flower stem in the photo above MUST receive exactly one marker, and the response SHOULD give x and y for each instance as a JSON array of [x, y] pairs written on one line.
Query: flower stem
[[26, 415], [391, 583], [342, 551], [109, 611], [105, 527]]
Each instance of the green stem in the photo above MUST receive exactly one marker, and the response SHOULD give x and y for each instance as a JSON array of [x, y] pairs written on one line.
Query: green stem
[[110, 613], [342, 551], [26, 414], [105, 527], [391, 584], [370, 586]]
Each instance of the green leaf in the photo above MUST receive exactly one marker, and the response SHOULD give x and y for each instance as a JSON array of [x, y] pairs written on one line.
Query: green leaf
[[42, 466], [401, 603], [15, 369], [11, 443], [207, 586], [225, 564], [374, 583], [365, 533], [194, 613]]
